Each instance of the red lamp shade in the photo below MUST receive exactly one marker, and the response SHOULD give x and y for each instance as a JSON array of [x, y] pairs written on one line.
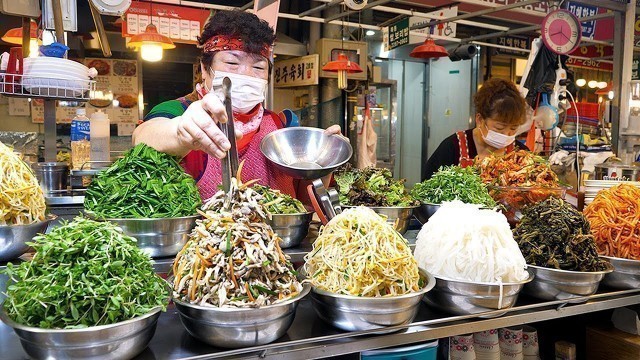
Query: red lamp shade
[[343, 63], [151, 36], [342, 66], [14, 36], [429, 49]]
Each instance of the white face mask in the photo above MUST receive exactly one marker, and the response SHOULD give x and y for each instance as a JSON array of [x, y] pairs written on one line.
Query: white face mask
[[496, 139], [246, 91]]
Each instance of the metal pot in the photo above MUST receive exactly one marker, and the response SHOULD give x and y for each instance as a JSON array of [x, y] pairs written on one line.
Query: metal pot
[[52, 176], [617, 171], [122, 340]]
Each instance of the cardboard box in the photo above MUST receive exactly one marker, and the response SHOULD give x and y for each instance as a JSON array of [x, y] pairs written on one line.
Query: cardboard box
[[609, 343]]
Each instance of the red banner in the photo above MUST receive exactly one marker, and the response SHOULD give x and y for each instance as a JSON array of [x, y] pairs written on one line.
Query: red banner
[[589, 64], [181, 24], [593, 51]]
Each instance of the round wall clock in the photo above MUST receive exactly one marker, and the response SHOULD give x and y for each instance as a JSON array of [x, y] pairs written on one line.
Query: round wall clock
[[561, 31]]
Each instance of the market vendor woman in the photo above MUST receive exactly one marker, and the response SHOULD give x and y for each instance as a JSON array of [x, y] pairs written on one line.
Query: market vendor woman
[[237, 45], [500, 111]]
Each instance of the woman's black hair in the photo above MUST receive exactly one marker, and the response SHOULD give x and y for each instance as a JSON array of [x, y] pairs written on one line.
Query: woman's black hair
[[254, 32]]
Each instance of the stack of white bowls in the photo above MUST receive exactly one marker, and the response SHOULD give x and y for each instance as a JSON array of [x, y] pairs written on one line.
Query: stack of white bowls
[[56, 77]]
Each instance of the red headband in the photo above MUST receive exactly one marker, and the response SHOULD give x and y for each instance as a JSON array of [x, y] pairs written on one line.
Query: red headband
[[224, 42]]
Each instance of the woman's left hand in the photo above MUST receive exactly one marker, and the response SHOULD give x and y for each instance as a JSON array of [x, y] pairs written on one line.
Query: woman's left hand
[[335, 130]]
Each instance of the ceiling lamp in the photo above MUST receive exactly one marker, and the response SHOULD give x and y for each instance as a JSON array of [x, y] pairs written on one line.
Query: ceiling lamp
[[581, 82], [592, 84], [342, 66], [602, 84], [429, 49], [151, 43], [14, 36]]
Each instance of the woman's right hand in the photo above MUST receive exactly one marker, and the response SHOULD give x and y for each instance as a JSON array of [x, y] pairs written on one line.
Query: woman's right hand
[[198, 129]]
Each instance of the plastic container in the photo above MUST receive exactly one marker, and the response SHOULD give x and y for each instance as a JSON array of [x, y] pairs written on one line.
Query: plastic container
[[100, 137], [426, 351], [80, 139]]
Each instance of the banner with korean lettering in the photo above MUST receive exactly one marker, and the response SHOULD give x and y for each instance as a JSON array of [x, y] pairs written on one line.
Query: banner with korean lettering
[[582, 10], [589, 64], [181, 24], [396, 35], [300, 71], [517, 42], [594, 51]]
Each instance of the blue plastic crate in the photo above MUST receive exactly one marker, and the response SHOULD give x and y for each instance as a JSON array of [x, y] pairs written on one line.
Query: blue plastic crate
[[426, 351]]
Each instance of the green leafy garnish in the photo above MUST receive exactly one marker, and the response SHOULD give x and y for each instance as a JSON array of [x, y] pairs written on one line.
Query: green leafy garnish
[[145, 183], [84, 273], [453, 183], [279, 203], [371, 187]]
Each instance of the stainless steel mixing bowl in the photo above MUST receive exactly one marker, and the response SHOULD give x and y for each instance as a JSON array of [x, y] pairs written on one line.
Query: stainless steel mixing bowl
[[425, 211], [305, 152], [355, 313], [554, 284], [157, 237], [292, 228], [239, 327], [123, 340], [466, 297], [626, 273], [13, 238], [399, 217]]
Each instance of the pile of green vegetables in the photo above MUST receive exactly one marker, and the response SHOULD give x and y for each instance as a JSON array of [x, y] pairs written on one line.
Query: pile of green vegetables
[[554, 234], [278, 203], [145, 183], [371, 187], [84, 273], [453, 183]]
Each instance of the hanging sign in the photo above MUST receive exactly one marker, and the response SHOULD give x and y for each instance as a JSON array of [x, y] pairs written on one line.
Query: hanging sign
[[589, 64], [540, 7], [300, 71], [396, 35], [447, 29], [581, 10], [593, 51], [181, 24], [520, 42]]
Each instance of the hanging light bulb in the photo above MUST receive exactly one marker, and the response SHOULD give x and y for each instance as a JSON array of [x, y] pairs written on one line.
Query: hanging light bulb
[[602, 84], [151, 52], [592, 84], [610, 95], [581, 82], [33, 48], [342, 66]]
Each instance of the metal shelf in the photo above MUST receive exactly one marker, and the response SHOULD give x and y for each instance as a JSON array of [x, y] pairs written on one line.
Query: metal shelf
[[309, 337], [38, 87]]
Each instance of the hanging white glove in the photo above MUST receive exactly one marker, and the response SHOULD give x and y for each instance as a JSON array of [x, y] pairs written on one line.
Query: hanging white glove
[[558, 157]]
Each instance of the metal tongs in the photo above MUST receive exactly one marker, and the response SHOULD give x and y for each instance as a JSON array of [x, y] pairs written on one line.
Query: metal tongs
[[230, 162]]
